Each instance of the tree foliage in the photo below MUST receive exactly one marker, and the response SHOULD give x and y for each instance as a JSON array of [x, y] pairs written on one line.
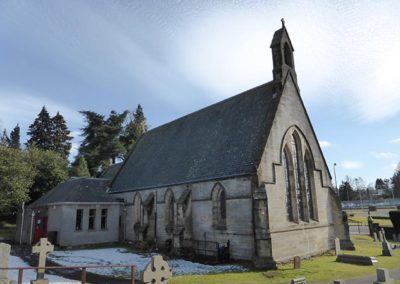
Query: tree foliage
[[50, 168], [16, 178], [136, 127], [395, 181], [79, 168], [102, 139], [61, 135], [4, 140], [15, 138], [50, 133]]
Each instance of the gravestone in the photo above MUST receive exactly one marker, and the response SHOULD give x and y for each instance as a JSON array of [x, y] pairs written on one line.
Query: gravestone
[[4, 255], [394, 238], [296, 262], [337, 246], [383, 234], [300, 280], [382, 275], [375, 237], [42, 248], [356, 259], [386, 249], [339, 281], [157, 271], [380, 237]]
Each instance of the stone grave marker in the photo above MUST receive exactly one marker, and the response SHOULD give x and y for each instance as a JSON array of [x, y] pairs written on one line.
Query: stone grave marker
[[375, 237], [300, 280], [337, 246], [382, 275], [42, 248], [356, 259], [4, 255], [296, 262], [380, 237], [394, 237], [386, 249], [157, 271]]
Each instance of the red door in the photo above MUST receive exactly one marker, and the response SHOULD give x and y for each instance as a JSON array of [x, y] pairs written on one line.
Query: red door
[[40, 228]]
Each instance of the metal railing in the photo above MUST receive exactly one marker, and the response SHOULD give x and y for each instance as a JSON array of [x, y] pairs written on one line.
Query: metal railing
[[82, 268]]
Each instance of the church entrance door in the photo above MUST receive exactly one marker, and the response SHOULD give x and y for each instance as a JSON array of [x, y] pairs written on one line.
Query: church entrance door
[[40, 229]]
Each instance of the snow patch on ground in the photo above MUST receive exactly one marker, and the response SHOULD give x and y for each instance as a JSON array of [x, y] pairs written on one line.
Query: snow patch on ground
[[30, 274], [123, 257]]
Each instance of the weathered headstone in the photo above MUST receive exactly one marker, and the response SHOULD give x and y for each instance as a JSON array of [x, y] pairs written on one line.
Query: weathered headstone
[[380, 237], [394, 237], [339, 281], [42, 248], [383, 234], [382, 275], [297, 262], [356, 259], [4, 255], [300, 280], [157, 271], [386, 249], [337, 246], [375, 237]]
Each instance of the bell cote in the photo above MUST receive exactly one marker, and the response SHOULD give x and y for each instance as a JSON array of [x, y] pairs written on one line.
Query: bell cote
[[282, 56]]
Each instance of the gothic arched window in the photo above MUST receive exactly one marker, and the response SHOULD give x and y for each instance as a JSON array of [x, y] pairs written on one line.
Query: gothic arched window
[[137, 210], [169, 210], [219, 207], [289, 208], [309, 185], [297, 175]]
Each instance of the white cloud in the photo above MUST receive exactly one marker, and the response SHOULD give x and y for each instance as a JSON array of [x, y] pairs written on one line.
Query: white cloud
[[397, 140], [384, 155], [352, 165], [325, 144]]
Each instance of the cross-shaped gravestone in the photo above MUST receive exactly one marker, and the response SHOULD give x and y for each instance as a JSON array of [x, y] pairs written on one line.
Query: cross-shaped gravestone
[[157, 271], [4, 255], [42, 248]]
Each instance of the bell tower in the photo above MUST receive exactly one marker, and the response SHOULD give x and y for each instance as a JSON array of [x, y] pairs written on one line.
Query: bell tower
[[282, 56]]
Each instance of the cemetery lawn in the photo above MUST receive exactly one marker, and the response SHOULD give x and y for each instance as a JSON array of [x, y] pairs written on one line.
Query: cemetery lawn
[[7, 231], [321, 269]]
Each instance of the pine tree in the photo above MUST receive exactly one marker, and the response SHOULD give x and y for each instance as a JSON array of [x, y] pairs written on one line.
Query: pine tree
[[79, 168], [40, 131], [135, 128], [15, 138], [60, 135], [4, 140]]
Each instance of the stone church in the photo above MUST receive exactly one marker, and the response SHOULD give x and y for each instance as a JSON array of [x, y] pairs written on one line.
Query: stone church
[[248, 170]]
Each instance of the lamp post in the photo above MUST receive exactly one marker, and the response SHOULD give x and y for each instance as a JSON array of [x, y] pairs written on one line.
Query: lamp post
[[334, 172]]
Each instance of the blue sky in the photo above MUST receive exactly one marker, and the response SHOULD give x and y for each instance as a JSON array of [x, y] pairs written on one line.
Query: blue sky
[[175, 57]]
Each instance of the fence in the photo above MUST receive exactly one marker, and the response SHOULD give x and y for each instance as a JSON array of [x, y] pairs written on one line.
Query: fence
[[364, 204], [82, 268]]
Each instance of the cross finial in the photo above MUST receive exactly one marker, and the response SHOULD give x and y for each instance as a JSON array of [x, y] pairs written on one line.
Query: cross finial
[[283, 22]]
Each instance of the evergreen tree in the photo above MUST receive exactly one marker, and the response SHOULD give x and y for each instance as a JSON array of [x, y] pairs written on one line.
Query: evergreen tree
[[60, 135], [15, 138], [40, 131], [79, 168], [395, 181], [135, 128], [4, 140]]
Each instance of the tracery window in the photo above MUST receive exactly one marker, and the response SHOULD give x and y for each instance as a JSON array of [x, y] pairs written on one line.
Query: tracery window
[[298, 173], [169, 211], [137, 210]]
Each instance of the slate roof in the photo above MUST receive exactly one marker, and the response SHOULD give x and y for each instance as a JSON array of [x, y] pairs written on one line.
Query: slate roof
[[77, 190], [112, 171], [222, 140]]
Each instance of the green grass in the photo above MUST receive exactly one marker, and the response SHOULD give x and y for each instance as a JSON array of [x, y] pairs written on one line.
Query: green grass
[[360, 217], [7, 231], [322, 269]]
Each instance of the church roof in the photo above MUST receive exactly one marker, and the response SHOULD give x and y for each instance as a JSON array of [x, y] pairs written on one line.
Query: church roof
[[223, 140], [111, 171], [77, 190]]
